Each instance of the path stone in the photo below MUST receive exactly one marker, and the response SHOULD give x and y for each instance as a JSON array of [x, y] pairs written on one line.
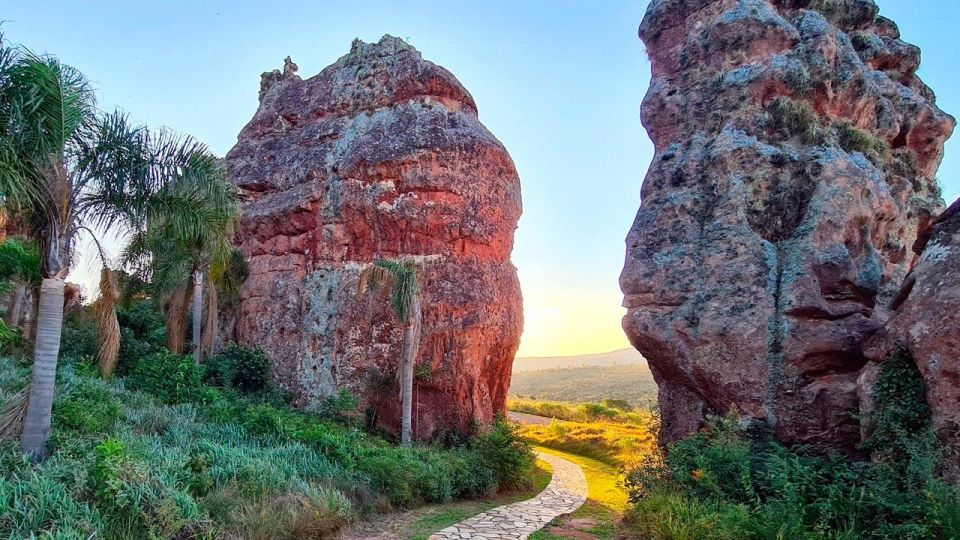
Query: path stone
[[565, 493]]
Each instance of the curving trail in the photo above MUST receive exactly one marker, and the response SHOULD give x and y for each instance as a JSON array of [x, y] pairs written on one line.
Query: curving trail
[[565, 493]]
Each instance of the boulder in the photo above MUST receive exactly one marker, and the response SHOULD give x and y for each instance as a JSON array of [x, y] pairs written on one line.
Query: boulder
[[380, 155], [795, 154]]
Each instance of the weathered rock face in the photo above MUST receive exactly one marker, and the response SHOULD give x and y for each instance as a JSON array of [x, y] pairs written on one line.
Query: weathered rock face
[[794, 164], [927, 323], [379, 155]]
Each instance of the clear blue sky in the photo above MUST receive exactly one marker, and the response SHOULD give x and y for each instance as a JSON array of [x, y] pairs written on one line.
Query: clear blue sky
[[559, 82]]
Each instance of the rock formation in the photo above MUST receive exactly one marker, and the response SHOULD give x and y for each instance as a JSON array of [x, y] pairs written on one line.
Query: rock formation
[[795, 153], [379, 155], [926, 322]]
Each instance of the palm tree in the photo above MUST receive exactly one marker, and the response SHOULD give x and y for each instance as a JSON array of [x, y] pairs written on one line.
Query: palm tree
[[173, 258], [67, 169], [401, 279]]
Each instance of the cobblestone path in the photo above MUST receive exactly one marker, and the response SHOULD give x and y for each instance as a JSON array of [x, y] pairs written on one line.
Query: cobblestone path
[[565, 493]]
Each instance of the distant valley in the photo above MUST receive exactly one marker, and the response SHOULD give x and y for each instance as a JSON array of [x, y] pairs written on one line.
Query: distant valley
[[621, 374]]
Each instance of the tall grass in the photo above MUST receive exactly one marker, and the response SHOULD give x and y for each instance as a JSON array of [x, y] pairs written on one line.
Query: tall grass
[[217, 463]]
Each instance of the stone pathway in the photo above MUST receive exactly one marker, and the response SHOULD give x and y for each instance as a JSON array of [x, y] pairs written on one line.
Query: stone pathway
[[565, 493]]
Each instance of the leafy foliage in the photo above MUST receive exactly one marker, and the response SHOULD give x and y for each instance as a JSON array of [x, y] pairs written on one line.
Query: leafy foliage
[[728, 482], [171, 377], [244, 368]]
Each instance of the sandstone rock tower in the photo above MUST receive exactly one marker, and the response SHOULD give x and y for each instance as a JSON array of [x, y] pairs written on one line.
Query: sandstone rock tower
[[379, 155], [795, 157]]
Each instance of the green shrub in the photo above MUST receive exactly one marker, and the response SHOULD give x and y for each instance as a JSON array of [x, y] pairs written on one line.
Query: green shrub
[[506, 453], [142, 333], [742, 481], [717, 462], [171, 377], [79, 336], [244, 368], [181, 460], [665, 514], [596, 411], [138, 503], [90, 409]]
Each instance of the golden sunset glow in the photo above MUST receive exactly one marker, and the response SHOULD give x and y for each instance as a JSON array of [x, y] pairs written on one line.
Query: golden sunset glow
[[563, 322]]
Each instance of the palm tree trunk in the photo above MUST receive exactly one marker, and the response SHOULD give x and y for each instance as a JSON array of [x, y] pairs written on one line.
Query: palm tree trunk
[[197, 312], [411, 345], [36, 425], [16, 309]]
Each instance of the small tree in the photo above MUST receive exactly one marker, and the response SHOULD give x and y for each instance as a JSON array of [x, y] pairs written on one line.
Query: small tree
[[400, 279]]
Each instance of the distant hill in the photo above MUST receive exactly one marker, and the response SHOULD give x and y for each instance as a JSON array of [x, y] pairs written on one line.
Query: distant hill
[[615, 375], [622, 357]]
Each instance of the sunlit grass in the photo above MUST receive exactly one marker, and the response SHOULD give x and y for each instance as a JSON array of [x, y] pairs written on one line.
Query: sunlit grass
[[620, 441], [606, 499]]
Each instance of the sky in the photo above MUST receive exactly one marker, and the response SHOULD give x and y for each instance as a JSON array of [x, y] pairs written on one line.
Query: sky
[[559, 82]]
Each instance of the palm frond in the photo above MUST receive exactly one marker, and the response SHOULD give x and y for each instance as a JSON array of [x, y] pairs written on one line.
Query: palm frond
[[228, 273], [374, 279], [57, 100], [108, 328], [19, 260], [12, 413], [399, 278]]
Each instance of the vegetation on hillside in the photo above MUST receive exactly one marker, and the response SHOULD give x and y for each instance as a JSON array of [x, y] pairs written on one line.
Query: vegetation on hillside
[[159, 453], [633, 384]]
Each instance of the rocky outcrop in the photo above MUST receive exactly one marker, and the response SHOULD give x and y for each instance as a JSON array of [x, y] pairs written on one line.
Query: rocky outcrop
[[379, 155], [795, 153], [926, 322]]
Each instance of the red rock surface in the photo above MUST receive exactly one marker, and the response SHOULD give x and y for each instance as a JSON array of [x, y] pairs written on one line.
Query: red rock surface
[[927, 323], [794, 164], [379, 155]]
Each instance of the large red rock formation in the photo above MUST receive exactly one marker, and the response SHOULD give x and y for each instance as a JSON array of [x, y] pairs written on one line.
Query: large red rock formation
[[927, 323], [795, 159], [379, 155]]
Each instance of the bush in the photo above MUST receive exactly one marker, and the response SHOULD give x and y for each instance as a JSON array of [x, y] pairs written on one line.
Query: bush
[[244, 368], [142, 333], [171, 377], [204, 463], [79, 336], [504, 451], [743, 482], [140, 505], [90, 409]]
